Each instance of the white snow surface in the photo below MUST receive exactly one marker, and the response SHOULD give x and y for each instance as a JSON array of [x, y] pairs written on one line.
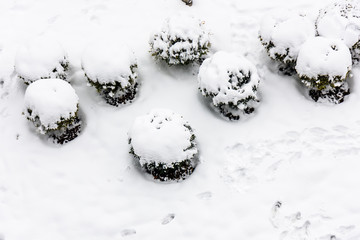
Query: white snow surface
[[161, 137], [323, 56], [340, 20], [287, 30], [292, 150], [109, 61], [38, 57], [214, 76], [185, 27], [50, 100]]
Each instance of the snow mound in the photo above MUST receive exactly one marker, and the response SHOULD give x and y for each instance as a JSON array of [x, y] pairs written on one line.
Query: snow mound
[[229, 80], [41, 58], [109, 62], [340, 20], [321, 56], [283, 34], [183, 39], [50, 101], [162, 137]]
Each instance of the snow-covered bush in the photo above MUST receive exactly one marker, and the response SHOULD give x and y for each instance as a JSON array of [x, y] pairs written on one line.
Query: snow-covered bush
[[342, 20], [282, 35], [231, 82], [182, 40], [52, 106], [188, 2], [164, 145], [41, 58], [323, 65], [111, 69]]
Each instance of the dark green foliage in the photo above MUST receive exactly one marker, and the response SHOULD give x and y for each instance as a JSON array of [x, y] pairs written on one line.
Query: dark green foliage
[[67, 128], [287, 67], [114, 93], [60, 73], [180, 56], [175, 171], [321, 82], [334, 94], [232, 110]]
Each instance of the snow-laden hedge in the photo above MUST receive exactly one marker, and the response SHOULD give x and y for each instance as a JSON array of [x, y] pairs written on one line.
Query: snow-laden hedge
[[231, 82], [111, 69], [52, 106], [283, 34], [164, 145], [323, 65], [41, 58], [341, 20], [182, 40]]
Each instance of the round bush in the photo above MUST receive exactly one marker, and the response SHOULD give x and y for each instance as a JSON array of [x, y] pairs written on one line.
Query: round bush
[[323, 66], [231, 82], [111, 69], [41, 59], [341, 20], [164, 145], [52, 106], [282, 35], [182, 40]]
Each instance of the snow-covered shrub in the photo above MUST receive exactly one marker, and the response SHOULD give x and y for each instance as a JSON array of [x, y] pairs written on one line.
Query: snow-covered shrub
[[342, 20], [39, 59], [111, 69], [182, 40], [188, 2], [282, 35], [164, 145], [231, 82], [52, 106], [323, 65]]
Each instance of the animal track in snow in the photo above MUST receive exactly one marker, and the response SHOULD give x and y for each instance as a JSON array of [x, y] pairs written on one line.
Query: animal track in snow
[[168, 218], [250, 163]]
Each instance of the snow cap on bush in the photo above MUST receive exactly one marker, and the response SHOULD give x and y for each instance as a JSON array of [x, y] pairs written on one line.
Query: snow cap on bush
[[162, 136], [323, 62], [50, 101], [340, 20], [183, 39], [231, 80], [109, 62], [41, 58], [283, 34]]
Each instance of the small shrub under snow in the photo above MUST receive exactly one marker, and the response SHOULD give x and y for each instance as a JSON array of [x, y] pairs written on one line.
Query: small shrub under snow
[[110, 68], [283, 34], [182, 40], [341, 20], [323, 66], [52, 106], [231, 82], [164, 144], [39, 59]]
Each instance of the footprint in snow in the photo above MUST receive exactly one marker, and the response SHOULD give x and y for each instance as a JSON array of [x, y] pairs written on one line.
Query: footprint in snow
[[204, 195], [128, 232], [168, 218]]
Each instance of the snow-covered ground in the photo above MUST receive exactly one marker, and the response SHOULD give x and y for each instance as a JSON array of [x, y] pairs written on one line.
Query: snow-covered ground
[[290, 171]]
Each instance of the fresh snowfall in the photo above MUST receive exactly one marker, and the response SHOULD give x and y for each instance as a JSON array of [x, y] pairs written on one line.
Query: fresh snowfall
[[157, 119]]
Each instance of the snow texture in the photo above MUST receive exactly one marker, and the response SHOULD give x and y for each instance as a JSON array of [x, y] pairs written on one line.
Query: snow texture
[[183, 39], [161, 137], [50, 100], [340, 20], [320, 56], [109, 62], [228, 78], [39, 58], [284, 33]]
